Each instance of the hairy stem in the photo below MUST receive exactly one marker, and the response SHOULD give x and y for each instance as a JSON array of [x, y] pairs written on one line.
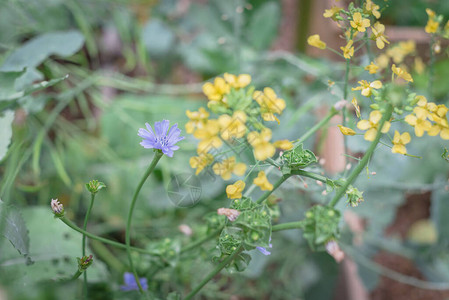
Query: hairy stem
[[286, 226], [86, 218], [342, 190], [214, 272], [157, 156], [317, 126]]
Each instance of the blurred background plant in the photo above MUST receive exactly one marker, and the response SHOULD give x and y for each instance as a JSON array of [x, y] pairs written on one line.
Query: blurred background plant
[[77, 80]]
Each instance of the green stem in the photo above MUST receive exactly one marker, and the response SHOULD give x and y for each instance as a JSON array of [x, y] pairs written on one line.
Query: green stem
[[86, 218], [317, 126], [315, 176], [432, 64], [76, 275], [214, 272], [342, 190], [201, 241], [286, 226], [120, 245], [157, 156], [275, 186]]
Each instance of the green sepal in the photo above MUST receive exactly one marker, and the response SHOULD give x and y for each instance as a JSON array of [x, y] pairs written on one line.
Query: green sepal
[[298, 158]]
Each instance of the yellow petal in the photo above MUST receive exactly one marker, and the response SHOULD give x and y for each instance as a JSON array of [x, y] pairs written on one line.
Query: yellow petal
[[375, 116], [363, 125], [399, 149], [370, 135], [405, 138], [386, 127]]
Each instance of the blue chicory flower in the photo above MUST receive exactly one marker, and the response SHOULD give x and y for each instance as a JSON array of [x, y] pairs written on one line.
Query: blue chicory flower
[[160, 138], [131, 284]]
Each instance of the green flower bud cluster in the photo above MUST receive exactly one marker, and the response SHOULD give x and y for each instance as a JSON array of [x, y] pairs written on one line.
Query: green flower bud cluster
[[320, 226]]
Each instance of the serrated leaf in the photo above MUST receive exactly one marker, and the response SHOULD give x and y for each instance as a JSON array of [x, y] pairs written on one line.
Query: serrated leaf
[[33, 52], [15, 229]]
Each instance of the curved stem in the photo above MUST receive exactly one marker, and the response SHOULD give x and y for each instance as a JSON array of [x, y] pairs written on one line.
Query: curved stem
[[157, 156], [214, 272], [200, 241], [315, 176], [86, 218], [286, 226], [275, 186], [317, 126], [342, 190]]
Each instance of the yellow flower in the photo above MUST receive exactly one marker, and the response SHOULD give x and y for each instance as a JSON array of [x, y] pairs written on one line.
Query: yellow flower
[[215, 91], [237, 82], [402, 73], [262, 182], [367, 87], [432, 24], [372, 8], [234, 191], [283, 144], [399, 142], [372, 68], [356, 107], [372, 125], [382, 61], [418, 121], [378, 35], [314, 40], [346, 130], [263, 149], [441, 125], [332, 12], [232, 127], [269, 103], [227, 167], [197, 119], [420, 67], [348, 50], [208, 136], [359, 23], [201, 161], [407, 47]]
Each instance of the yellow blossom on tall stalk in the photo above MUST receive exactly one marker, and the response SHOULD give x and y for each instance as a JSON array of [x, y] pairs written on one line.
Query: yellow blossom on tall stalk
[[260, 142], [232, 127], [372, 125], [419, 121], [314, 40], [234, 191], [372, 68], [229, 166], [215, 91], [401, 73], [346, 130], [201, 161], [372, 8], [399, 142], [367, 87], [208, 136], [333, 12], [237, 82], [348, 50], [378, 35], [269, 103], [197, 119], [262, 182], [432, 24], [359, 22], [441, 125], [283, 145]]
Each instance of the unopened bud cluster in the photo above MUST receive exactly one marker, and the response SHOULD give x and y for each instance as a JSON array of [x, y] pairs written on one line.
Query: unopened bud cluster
[[57, 207], [94, 186]]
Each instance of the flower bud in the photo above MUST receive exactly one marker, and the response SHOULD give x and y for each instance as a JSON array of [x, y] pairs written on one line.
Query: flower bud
[[57, 207], [84, 262], [231, 214], [94, 186]]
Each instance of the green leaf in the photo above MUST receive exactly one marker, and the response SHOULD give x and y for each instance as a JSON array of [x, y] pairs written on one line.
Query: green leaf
[[15, 229], [263, 25], [6, 133], [299, 158], [33, 52], [7, 80]]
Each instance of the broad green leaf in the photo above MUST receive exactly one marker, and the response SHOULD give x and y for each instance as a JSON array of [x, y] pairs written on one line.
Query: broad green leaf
[[6, 119], [7, 80], [263, 25], [14, 228], [33, 52]]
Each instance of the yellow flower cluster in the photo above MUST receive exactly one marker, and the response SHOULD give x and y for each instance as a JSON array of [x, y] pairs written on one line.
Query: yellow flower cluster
[[235, 122], [426, 112], [367, 87], [372, 125], [432, 24], [396, 53]]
